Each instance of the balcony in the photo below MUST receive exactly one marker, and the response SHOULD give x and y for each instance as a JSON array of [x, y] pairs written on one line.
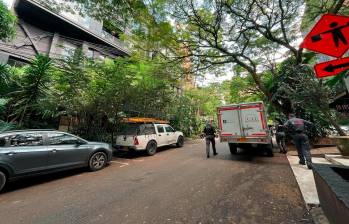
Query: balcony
[[81, 29]]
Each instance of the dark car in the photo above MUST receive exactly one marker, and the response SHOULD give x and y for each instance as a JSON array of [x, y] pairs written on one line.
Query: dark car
[[32, 152]]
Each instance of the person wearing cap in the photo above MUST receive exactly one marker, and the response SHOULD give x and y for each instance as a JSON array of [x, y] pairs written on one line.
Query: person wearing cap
[[296, 127]]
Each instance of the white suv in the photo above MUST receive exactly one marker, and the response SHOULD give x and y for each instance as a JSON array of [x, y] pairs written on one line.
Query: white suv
[[148, 136]]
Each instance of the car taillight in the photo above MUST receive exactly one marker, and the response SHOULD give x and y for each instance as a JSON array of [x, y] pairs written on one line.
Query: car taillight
[[135, 140]]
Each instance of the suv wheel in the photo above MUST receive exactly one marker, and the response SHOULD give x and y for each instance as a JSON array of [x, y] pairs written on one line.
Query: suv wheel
[[2, 180], [97, 161], [151, 148], [180, 141]]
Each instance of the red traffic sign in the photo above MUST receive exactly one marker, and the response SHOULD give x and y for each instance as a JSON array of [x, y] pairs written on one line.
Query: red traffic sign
[[330, 68], [329, 36]]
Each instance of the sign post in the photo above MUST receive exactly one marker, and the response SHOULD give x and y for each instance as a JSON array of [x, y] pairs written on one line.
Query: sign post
[[329, 36]]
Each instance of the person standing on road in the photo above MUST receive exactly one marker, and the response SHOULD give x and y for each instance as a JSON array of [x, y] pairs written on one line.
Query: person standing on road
[[210, 134], [281, 138], [297, 129]]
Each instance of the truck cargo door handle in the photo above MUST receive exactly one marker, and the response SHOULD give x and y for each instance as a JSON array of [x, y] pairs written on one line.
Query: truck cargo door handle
[[54, 150], [159, 135]]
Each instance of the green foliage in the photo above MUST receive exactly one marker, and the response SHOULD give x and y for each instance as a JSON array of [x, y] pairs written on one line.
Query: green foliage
[[296, 87], [7, 23], [243, 89], [315, 8], [33, 86]]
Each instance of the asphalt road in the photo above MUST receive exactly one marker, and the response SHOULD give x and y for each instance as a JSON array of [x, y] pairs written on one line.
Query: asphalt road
[[174, 186]]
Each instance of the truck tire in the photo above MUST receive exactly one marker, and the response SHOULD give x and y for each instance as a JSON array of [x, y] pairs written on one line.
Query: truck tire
[[180, 141], [233, 148], [2, 180], [151, 148], [269, 150]]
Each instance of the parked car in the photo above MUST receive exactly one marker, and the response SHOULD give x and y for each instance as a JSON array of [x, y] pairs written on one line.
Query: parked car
[[147, 136], [33, 152]]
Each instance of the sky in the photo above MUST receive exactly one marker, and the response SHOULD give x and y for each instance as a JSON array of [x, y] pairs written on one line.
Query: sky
[[8, 2]]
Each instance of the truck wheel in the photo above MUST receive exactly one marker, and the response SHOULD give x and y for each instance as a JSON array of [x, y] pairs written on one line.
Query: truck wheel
[[2, 180], [233, 148], [151, 148], [269, 150], [180, 141]]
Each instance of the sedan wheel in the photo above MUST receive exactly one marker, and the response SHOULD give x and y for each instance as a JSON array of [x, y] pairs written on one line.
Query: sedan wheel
[[2, 180], [97, 161]]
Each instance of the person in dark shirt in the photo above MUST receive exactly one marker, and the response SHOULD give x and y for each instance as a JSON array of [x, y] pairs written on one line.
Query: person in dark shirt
[[210, 132], [297, 127], [281, 138]]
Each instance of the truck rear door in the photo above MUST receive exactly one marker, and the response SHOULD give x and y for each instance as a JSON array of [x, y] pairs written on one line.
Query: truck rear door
[[253, 120], [229, 122]]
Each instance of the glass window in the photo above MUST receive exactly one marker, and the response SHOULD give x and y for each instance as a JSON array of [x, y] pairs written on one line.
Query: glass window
[[68, 49], [129, 129], [61, 139], [2, 142], [147, 129], [90, 53], [161, 129], [26, 139], [169, 129]]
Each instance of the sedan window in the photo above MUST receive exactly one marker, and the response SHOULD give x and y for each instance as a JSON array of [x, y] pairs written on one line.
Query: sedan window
[[2, 142], [26, 139], [61, 139]]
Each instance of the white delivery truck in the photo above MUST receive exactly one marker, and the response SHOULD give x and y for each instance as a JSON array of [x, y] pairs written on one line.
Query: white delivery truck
[[245, 125]]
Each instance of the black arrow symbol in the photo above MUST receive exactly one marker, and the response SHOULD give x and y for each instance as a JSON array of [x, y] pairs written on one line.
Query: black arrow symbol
[[331, 68]]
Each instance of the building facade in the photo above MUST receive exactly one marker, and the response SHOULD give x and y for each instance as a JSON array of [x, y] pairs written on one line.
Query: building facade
[[42, 31]]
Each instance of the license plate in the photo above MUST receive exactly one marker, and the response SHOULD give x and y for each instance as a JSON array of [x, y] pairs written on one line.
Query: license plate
[[242, 139]]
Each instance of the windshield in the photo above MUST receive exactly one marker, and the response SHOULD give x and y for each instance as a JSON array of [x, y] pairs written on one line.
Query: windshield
[[137, 129], [129, 129]]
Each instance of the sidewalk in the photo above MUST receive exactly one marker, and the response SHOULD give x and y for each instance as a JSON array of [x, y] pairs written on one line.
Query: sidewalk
[[306, 182]]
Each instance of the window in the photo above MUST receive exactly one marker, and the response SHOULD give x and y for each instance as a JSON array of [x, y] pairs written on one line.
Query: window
[[169, 129], [161, 129], [61, 139], [68, 49], [147, 129], [2, 142], [26, 139], [90, 53]]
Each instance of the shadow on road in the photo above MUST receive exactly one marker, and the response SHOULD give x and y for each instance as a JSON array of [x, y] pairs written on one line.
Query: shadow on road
[[255, 156], [36, 180], [138, 154]]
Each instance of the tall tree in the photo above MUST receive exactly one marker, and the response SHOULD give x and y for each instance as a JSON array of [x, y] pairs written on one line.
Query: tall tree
[[7, 23], [33, 86]]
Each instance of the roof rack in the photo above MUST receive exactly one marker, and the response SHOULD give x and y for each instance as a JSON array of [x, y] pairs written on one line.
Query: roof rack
[[144, 120], [26, 130]]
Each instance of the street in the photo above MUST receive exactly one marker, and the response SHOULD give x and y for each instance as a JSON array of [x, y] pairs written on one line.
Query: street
[[174, 186]]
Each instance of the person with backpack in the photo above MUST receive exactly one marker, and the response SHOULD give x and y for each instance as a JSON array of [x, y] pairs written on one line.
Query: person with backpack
[[297, 127]]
